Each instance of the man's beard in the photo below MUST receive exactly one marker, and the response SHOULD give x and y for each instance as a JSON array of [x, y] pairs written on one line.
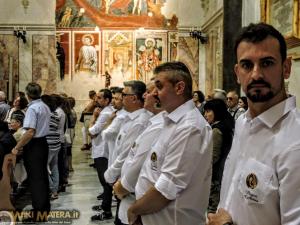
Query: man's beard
[[257, 95]]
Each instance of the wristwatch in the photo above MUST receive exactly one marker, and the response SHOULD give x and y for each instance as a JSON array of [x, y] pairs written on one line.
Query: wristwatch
[[228, 223]]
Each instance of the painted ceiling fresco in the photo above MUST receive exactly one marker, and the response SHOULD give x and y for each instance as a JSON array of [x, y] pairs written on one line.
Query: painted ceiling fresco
[[112, 14]]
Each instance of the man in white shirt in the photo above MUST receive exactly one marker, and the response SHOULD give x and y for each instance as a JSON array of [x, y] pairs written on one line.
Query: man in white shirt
[[135, 123], [99, 147], [260, 181], [174, 182], [124, 187], [109, 135]]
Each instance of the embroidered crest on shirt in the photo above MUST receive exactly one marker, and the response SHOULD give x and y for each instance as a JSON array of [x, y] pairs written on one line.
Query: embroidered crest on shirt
[[251, 181], [153, 161]]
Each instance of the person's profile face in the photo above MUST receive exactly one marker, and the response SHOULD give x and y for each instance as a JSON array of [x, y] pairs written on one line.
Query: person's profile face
[[209, 115], [195, 97], [150, 101], [117, 101], [166, 91], [260, 70]]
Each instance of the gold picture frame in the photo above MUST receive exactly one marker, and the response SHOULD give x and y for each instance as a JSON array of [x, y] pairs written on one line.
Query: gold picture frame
[[284, 16]]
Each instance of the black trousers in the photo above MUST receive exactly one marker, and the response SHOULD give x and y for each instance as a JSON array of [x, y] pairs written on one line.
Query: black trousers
[[63, 167], [101, 164], [35, 161]]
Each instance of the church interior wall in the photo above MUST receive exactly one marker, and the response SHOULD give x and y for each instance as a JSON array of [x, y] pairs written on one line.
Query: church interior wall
[[165, 26]]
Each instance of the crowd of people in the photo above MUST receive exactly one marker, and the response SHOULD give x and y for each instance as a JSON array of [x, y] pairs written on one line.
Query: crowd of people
[[171, 156]]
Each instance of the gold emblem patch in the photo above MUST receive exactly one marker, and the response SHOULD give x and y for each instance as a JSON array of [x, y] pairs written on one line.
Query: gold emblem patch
[[153, 161], [251, 181]]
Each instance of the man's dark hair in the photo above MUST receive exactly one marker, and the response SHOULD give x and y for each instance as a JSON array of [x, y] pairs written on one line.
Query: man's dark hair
[[92, 93], [33, 90], [50, 101], [138, 87], [115, 90], [106, 94], [177, 71], [23, 102], [255, 33]]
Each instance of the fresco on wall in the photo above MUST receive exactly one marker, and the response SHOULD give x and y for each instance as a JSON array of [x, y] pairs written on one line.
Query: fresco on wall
[[86, 52], [118, 54], [188, 53], [9, 50], [173, 45], [151, 50], [44, 67], [113, 13]]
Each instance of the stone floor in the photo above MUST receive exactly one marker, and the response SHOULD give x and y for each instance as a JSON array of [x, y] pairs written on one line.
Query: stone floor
[[81, 193]]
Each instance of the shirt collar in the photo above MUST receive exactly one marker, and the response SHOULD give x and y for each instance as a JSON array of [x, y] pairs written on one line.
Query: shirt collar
[[180, 111], [233, 109], [275, 113], [158, 118], [135, 114], [34, 101]]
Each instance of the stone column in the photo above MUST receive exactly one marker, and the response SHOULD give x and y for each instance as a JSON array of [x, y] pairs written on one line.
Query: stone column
[[231, 23]]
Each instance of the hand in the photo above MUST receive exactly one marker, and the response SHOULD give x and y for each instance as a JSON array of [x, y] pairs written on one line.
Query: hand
[[219, 218], [119, 190], [132, 218], [96, 112], [14, 151]]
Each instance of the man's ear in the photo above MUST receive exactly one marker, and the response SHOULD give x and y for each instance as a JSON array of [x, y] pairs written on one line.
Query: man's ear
[[287, 64], [179, 87], [236, 70]]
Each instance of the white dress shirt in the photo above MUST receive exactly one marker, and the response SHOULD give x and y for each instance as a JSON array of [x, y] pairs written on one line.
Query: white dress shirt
[[110, 133], [135, 160], [99, 147], [261, 183], [136, 124], [179, 166]]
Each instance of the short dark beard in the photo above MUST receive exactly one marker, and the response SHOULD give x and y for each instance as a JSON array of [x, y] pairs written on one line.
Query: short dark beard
[[257, 96]]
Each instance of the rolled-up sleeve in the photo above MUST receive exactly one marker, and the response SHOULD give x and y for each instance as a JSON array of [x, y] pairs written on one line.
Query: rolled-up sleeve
[[289, 186], [177, 169]]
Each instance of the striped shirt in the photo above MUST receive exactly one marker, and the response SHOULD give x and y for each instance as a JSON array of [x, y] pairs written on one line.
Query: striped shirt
[[53, 137]]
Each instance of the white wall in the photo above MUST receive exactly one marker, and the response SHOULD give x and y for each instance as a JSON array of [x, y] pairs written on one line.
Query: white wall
[[39, 12]]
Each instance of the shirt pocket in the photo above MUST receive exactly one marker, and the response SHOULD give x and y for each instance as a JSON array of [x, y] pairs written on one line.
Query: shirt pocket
[[120, 137], [255, 181], [156, 156]]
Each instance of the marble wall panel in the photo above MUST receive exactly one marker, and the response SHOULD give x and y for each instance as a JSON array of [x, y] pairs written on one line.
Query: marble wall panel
[[44, 65], [9, 51], [188, 53]]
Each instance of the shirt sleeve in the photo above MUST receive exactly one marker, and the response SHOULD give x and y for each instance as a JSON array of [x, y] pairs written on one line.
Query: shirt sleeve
[[100, 123], [136, 158], [30, 119], [289, 186], [188, 145], [112, 130], [114, 171]]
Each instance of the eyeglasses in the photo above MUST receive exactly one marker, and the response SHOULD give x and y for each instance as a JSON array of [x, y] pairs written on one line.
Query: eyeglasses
[[229, 98], [127, 94]]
